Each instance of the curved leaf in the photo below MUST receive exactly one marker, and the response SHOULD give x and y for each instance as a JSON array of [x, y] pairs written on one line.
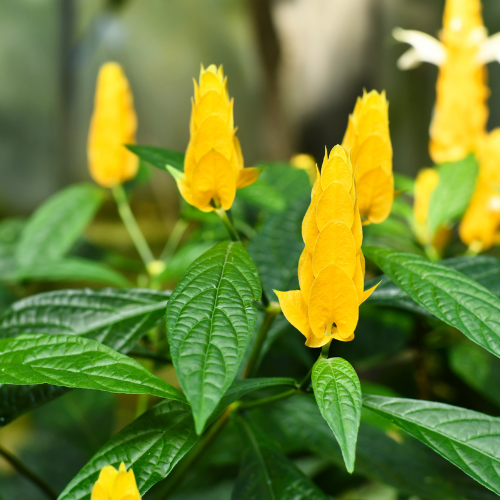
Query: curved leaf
[[466, 438], [338, 393], [158, 157], [210, 319], [151, 445], [447, 294], [57, 224], [76, 362]]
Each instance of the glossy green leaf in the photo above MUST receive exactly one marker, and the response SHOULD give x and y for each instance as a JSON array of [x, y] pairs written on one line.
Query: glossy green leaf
[[159, 157], [210, 320], [151, 445], [338, 394], [71, 361], [267, 474], [451, 197], [57, 224], [447, 294], [466, 438], [277, 247]]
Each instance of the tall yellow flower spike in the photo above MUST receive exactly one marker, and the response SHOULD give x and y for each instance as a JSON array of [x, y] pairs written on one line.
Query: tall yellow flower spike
[[332, 266], [461, 112], [213, 167], [480, 226], [115, 484], [113, 124], [368, 141]]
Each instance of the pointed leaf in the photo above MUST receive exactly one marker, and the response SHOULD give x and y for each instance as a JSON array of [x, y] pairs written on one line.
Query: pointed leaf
[[210, 320], [338, 393], [158, 157], [57, 224], [72, 361], [447, 294], [151, 445], [466, 438]]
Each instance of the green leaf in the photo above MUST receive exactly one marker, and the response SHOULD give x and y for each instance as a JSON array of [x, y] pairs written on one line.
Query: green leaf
[[116, 318], [267, 474], [451, 197], [277, 247], [447, 294], [151, 445], [159, 157], [338, 394], [10, 232], [403, 183], [56, 225], [466, 438], [72, 361], [69, 269], [210, 320]]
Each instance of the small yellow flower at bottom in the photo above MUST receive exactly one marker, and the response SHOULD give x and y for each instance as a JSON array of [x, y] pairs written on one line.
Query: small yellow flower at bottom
[[115, 484]]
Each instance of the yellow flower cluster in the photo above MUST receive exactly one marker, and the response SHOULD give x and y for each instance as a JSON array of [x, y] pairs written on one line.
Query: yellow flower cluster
[[332, 266], [368, 142], [113, 124], [115, 484], [213, 167]]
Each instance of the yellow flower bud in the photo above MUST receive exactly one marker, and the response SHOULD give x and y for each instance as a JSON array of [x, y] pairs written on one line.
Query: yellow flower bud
[[213, 167], [332, 266], [115, 484], [368, 141], [113, 124]]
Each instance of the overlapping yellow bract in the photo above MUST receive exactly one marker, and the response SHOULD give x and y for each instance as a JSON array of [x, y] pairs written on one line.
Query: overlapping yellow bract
[[332, 266], [115, 484], [480, 225], [213, 167], [368, 141], [461, 112], [113, 124]]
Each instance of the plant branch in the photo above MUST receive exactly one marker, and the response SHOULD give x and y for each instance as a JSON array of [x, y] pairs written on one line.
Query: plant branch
[[271, 399], [229, 226]]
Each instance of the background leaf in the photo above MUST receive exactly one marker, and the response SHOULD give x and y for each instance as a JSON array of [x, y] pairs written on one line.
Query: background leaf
[[159, 157], [56, 225], [338, 394], [210, 319], [466, 438], [151, 445], [72, 361], [447, 294]]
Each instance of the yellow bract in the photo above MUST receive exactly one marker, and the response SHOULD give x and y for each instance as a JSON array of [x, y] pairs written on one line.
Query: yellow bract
[[213, 167], [368, 141], [115, 485], [332, 266], [305, 162], [113, 124]]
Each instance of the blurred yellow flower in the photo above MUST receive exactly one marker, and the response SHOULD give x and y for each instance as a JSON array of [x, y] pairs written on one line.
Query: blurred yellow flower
[[461, 112], [113, 124], [213, 167], [368, 141], [115, 484], [332, 266], [305, 162]]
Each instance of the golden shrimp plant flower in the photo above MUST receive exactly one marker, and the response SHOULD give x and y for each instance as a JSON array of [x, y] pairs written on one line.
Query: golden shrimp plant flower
[[331, 267], [368, 141], [113, 124], [115, 484], [213, 166], [461, 111]]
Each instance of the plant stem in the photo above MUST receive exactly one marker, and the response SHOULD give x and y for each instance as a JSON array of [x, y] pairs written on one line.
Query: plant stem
[[229, 226], [132, 226], [174, 239], [271, 399], [27, 473]]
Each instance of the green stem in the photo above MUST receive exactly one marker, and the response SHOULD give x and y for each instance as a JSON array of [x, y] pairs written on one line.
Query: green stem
[[271, 399], [27, 473], [131, 225], [229, 226], [306, 381], [174, 239]]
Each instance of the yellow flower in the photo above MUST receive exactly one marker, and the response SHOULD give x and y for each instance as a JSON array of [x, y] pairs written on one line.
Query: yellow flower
[[113, 124], [480, 225], [305, 162], [368, 142], [332, 266], [115, 485], [213, 167], [461, 112]]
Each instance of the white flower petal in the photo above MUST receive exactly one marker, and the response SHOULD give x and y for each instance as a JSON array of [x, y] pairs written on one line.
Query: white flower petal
[[425, 48]]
